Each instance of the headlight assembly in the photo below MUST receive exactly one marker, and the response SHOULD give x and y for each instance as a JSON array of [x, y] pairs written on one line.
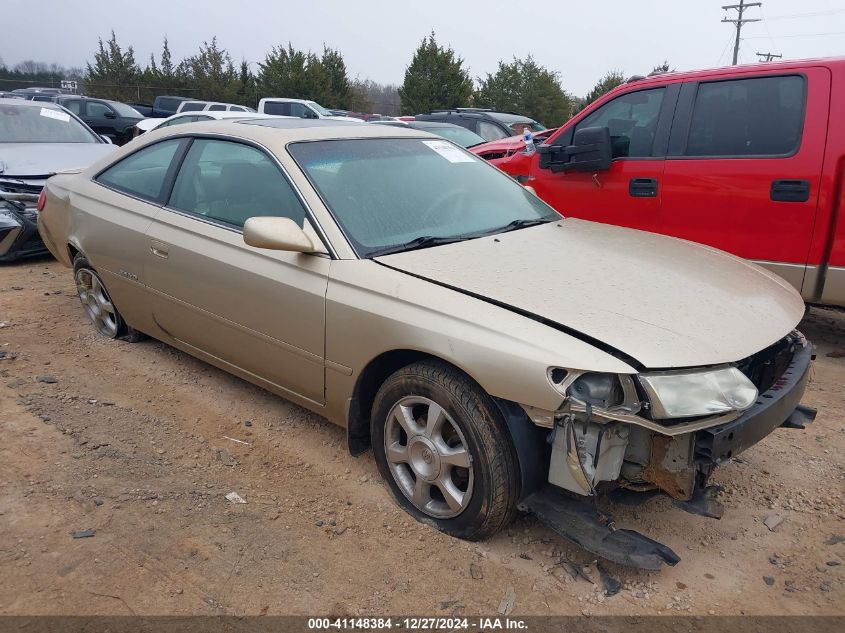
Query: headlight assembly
[[685, 394]]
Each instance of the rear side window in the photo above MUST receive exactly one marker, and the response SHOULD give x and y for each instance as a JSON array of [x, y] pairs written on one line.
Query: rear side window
[[231, 182], [490, 131], [143, 173], [763, 116], [193, 106], [279, 109], [217, 107], [632, 120], [74, 106]]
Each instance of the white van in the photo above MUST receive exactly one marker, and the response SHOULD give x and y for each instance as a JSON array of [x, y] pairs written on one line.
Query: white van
[[302, 108]]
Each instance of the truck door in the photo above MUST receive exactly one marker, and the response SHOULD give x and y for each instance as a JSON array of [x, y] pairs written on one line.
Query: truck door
[[744, 166], [629, 193]]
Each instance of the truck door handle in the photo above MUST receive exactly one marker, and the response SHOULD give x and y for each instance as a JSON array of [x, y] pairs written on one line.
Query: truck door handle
[[790, 190], [159, 250], [642, 187]]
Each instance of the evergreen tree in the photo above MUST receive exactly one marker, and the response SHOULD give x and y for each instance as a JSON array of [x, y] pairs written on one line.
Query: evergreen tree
[[525, 87], [114, 73], [284, 73], [337, 81], [607, 83], [435, 79], [212, 74]]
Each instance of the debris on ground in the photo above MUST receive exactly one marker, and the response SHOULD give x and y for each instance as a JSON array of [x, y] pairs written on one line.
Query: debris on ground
[[48, 380], [508, 602], [772, 522], [475, 572], [87, 533], [833, 540], [234, 497]]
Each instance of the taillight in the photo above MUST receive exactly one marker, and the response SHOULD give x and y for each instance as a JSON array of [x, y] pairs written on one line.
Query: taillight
[[42, 199]]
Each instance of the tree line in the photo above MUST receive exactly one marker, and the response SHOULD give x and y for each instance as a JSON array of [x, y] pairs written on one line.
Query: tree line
[[436, 78]]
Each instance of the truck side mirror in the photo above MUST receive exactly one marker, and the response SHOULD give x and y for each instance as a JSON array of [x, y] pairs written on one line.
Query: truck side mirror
[[590, 151]]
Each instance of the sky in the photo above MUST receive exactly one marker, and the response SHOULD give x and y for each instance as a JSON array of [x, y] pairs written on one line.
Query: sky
[[580, 40]]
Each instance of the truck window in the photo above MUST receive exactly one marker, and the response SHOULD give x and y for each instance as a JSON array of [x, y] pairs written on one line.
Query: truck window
[[193, 106], [278, 108], [490, 131], [762, 116], [217, 107], [632, 120]]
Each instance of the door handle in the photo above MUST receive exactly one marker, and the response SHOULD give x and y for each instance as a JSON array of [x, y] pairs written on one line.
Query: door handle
[[790, 191], [159, 250], [642, 187]]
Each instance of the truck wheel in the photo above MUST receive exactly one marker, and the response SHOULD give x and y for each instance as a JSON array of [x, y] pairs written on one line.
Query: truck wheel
[[443, 447], [98, 304]]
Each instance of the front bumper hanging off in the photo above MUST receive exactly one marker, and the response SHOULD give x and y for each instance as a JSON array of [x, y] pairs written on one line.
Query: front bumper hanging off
[[594, 530]]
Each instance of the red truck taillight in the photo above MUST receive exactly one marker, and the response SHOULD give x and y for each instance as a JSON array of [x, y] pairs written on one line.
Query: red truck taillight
[[42, 199]]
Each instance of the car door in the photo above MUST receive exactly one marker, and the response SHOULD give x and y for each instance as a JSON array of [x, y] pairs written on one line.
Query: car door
[[101, 117], [744, 165], [258, 312], [629, 192], [119, 205]]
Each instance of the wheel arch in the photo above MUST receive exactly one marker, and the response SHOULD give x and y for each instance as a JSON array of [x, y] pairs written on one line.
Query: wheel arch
[[527, 439]]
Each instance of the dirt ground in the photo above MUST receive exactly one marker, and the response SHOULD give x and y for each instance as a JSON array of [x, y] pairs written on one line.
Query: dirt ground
[[141, 443]]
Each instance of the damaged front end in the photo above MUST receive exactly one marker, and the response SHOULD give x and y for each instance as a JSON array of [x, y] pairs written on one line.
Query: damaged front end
[[617, 433], [19, 236]]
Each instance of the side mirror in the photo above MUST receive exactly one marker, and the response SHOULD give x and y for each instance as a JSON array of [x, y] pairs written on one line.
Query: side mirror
[[309, 114], [107, 139], [279, 234], [590, 151], [109, 114]]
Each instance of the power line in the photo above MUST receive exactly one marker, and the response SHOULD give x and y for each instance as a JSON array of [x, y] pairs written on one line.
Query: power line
[[760, 37], [740, 21], [769, 56], [805, 15]]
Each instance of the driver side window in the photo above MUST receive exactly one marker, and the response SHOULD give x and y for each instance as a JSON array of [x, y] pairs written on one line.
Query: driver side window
[[231, 182], [632, 120]]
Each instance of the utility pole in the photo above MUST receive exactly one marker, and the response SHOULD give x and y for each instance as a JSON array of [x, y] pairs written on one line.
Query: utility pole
[[769, 56], [740, 9]]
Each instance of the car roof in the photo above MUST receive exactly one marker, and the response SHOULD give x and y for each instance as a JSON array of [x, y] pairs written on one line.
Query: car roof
[[33, 104], [278, 132], [432, 124]]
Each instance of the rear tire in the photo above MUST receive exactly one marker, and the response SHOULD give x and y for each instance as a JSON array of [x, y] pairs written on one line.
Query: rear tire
[[441, 444], [97, 303]]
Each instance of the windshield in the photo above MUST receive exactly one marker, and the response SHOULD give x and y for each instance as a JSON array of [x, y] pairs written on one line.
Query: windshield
[[455, 133], [385, 193], [36, 124], [126, 111], [518, 123], [320, 109]]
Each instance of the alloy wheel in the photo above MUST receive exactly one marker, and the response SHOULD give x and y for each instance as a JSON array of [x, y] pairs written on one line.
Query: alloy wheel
[[428, 457], [96, 302]]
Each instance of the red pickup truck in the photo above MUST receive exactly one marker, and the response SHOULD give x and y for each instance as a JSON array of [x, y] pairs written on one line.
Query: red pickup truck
[[748, 159]]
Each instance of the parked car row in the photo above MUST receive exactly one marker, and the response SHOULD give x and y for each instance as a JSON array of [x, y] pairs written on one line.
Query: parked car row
[[493, 354], [37, 140]]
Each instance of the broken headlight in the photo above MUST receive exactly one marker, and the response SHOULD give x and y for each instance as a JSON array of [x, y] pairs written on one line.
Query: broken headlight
[[686, 394]]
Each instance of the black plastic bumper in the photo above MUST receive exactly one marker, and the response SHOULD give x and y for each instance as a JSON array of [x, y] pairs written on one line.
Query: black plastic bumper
[[779, 406], [19, 234]]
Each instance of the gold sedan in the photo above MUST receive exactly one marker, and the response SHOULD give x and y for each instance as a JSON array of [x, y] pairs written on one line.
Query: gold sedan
[[482, 345]]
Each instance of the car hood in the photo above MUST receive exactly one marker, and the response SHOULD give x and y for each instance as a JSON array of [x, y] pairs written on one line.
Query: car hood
[[661, 301], [33, 160]]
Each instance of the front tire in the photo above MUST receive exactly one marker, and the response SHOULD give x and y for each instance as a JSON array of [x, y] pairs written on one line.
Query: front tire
[[444, 449]]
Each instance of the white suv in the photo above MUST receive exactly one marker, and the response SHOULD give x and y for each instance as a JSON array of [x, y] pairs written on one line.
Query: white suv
[[211, 106], [301, 108]]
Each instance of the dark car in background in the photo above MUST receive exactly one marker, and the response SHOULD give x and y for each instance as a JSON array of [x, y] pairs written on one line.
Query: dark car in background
[[488, 124], [455, 133], [110, 118], [37, 140]]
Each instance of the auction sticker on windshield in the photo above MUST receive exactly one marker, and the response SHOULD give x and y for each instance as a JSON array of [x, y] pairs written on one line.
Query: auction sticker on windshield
[[449, 152], [55, 114]]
